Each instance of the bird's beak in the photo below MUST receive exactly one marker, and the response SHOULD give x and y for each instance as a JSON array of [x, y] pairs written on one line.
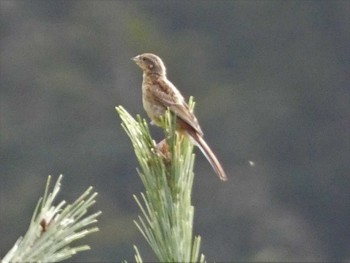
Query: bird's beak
[[135, 58]]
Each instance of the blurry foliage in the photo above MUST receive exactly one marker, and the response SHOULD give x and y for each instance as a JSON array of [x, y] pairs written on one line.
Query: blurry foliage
[[271, 79]]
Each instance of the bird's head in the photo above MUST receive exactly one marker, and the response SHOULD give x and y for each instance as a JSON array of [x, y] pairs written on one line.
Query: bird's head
[[150, 63]]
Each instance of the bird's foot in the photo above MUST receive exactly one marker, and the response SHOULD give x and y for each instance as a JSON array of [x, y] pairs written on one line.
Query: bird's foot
[[163, 149]]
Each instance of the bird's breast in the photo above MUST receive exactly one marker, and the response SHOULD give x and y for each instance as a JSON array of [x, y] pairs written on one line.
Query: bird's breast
[[153, 108]]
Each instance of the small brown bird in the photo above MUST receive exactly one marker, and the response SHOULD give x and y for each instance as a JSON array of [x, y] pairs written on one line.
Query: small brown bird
[[158, 94]]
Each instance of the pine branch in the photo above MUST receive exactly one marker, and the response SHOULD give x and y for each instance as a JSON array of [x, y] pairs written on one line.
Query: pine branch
[[167, 174], [54, 228]]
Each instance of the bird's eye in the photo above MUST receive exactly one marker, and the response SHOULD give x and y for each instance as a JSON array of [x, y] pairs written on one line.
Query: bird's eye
[[144, 59]]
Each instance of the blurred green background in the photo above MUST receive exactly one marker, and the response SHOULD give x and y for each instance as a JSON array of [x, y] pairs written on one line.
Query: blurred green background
[[271, 80]]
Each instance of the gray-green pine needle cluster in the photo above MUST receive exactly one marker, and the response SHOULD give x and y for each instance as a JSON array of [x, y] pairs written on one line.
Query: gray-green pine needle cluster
[[167, 213], [53, 228]]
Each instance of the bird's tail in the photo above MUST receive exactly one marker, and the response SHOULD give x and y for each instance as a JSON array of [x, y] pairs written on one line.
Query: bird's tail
[[208, 153]]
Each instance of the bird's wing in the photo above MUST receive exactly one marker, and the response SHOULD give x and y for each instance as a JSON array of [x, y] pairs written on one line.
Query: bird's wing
[[166, 93]]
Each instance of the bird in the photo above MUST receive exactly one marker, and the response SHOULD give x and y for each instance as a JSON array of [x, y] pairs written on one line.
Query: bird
[[159, 94]]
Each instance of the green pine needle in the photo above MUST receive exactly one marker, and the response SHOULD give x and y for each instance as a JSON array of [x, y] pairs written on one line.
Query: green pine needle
[[54, 228], [167, 212]]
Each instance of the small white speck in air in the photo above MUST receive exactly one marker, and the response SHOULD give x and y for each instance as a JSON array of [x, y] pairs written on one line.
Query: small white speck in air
[[251, 163]]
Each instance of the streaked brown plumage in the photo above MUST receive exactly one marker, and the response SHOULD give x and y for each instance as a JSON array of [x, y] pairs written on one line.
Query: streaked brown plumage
[[158, 94]]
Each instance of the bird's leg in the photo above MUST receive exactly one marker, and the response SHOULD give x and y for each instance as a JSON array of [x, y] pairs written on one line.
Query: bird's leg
[[163, 149]]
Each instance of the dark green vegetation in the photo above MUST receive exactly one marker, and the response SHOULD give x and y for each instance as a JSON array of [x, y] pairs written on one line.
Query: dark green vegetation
[[271, 82]]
